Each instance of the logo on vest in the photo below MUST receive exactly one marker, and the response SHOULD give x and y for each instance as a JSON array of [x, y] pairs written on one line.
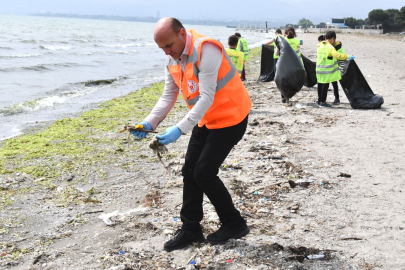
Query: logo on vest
[[192, 86]]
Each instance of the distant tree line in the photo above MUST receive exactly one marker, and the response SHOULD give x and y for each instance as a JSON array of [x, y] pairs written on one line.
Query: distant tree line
[[392, 20]]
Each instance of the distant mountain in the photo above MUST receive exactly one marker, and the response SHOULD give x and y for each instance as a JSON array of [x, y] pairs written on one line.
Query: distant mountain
[[211, 21]]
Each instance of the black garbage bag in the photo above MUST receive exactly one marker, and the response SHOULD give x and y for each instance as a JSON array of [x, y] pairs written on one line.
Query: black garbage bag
[[290, 72], [356, 88], [267, 64], [310, 69]]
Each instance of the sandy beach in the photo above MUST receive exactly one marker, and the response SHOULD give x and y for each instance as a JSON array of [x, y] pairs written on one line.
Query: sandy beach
[[310, 181]]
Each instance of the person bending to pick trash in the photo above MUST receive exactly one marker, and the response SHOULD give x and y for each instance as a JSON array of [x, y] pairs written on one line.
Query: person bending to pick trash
[[327, 68], [219, 106]]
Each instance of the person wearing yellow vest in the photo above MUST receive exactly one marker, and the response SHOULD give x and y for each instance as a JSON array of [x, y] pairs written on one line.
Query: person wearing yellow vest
[[236, 57], [290, 36], [339, 48], [243, 47], [219, 103], [327, 68]]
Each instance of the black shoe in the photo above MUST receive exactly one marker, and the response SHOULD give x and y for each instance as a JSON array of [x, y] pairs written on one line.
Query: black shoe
[[324, 104], [229, 231], [336, 101], [243, 80], [283, 100], [183, 238]]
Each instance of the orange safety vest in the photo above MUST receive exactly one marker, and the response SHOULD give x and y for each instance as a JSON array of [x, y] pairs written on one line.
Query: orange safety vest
[[231, 101]]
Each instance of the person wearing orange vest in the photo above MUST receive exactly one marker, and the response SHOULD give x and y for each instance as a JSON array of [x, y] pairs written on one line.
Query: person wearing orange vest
[[219, 106]]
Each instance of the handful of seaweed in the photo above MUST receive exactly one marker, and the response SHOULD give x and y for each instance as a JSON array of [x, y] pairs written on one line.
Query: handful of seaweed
[[158, 148]]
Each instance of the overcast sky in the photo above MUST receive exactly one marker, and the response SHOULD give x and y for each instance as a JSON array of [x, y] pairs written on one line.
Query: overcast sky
[[271, 10]]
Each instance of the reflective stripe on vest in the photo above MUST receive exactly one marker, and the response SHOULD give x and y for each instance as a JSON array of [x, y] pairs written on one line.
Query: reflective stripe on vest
[[194, 59], [231, 101], [327, 66], [327, 70]]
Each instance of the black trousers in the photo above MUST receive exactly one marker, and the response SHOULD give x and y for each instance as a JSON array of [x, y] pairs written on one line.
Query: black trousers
[[206, 151], [243, 75], [322, 91], [335, 89], [322, 95]]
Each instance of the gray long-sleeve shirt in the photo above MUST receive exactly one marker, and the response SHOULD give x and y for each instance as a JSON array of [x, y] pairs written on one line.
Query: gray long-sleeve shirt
[[211, 59]]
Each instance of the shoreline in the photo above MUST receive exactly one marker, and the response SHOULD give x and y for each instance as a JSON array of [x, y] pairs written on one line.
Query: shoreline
[[51, 207]]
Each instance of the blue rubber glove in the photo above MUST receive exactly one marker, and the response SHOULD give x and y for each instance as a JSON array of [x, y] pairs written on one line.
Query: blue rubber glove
[[171, 135], [351, 57], [141, 134]]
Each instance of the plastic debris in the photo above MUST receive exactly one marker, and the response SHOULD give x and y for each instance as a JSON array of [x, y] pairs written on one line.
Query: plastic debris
[[122, 252], [119, 267], [106, 217], [193, 262], [175, 219], [316, 257], [229, 261]]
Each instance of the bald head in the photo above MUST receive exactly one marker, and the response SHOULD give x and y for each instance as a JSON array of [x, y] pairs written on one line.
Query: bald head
[[170, 36], [167, 25]]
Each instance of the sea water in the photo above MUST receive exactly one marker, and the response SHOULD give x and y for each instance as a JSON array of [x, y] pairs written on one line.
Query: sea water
[[56, 67]]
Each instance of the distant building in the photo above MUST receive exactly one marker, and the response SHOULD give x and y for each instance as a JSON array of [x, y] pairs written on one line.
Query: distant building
[[337, 23]]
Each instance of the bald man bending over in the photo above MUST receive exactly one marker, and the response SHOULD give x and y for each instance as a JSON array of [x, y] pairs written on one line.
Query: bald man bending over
[[219, 106]]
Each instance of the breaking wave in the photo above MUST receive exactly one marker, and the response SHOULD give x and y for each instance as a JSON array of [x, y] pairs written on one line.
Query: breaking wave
[[56, 48], [59, 96]]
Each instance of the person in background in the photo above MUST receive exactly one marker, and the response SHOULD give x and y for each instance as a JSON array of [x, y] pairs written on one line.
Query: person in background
[[237, 57], [320, 39], [219, 106], [327, 68], [290, 36], [243, 47], [339, 49]]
